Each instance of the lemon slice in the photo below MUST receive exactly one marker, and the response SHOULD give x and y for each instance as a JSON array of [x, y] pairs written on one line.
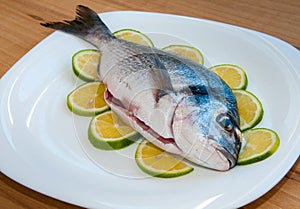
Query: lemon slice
[[87, 99], [108, 132], [233, 75], [249, 108], [85, 64], [189, 52], [158, 163], [134, 36], [260, 144]]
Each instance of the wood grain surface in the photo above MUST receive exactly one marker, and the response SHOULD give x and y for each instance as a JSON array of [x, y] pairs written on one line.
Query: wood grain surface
[[20, 31]]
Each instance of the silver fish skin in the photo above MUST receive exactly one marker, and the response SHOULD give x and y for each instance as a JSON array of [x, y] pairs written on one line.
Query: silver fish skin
[[177, 104]]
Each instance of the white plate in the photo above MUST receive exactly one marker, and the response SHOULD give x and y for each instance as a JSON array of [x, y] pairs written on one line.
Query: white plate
[[40, 140]]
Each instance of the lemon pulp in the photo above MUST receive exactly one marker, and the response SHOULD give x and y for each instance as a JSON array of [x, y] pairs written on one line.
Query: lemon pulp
[[157, 162], [260, 144], [249, 108], [134, 36], [189, 52], [85, 64], [87, 99], [233, 75], [108, 132]]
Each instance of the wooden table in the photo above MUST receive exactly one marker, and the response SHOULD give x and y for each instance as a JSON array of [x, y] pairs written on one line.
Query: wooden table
[[20, 31]]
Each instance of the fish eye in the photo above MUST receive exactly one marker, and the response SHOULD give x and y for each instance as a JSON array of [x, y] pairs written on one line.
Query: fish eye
[[225, 121]]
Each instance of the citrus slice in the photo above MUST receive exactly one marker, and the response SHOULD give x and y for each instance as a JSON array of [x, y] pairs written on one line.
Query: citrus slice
[[260, 144], [134, 36], [186, 51], [87, 99], [158, 163], [233, 75], [85, 64], [106, 131], [249, 108]]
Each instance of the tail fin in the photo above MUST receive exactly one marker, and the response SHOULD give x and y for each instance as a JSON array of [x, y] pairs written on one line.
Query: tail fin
[[86, 25]]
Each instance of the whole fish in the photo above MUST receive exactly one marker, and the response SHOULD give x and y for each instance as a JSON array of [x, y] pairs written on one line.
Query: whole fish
[[177, 104]]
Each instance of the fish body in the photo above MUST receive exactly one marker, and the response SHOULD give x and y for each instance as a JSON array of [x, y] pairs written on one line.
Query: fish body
[[177, 104]]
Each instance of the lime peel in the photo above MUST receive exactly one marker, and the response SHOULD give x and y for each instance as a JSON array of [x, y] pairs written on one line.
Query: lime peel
[[233, 75], [245, 98], [186, 51], [134, 36], [72, 100], [109, 143], [85, 63], [248, 155], [142, 157]]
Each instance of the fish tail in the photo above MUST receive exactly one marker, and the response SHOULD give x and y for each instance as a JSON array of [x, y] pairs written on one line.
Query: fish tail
[[86, 25]]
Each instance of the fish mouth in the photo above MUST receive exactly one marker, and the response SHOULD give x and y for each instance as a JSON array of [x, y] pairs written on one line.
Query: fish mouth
[[133, 121], [211, 155], [231, 159]]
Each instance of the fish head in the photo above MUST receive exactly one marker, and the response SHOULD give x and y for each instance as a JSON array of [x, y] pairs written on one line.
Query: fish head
[[207, 132]]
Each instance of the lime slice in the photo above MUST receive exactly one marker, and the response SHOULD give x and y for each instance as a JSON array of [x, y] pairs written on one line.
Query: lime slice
[[186, 51], [233, 75], [260, 144], [87, 99], [158, 163], [85, 64], [250, 109], [108, 132], [134, 36]]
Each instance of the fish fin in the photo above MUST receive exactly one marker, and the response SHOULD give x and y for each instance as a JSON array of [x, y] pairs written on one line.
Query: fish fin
[[162, 79], [86, 25], [161, 75]]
